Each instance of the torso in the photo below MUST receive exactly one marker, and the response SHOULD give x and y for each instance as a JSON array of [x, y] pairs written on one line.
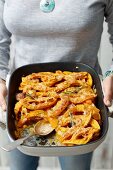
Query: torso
[[74, 28]]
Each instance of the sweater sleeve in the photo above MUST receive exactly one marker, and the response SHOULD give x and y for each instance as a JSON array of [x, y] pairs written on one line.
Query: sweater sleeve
[[109, 18], [5, 40]]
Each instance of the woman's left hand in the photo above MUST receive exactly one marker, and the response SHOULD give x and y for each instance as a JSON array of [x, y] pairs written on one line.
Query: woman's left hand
[[108, 90]]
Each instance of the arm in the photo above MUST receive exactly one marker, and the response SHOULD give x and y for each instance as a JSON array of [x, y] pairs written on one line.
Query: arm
[[109, 18], [4, 56], [4, 44], [108, 81]]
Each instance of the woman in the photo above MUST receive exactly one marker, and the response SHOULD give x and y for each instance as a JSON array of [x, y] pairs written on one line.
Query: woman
[[46, 31]]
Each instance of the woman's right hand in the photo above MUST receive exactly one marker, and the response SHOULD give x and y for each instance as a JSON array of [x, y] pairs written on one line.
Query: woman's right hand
[[3, 93]]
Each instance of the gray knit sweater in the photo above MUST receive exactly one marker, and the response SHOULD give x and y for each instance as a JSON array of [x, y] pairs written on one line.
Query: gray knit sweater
[[72, 32]]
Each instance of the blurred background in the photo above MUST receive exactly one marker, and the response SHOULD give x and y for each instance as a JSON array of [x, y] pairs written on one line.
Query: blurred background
[[103, 156]]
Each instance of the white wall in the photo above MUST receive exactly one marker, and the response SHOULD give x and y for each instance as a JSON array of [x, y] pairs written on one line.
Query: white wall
[[106, 50]]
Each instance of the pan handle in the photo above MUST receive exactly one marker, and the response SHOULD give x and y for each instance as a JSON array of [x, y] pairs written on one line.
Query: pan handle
[[2, 119]]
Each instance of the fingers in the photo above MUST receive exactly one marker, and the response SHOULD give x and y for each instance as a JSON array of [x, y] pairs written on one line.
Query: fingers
[[3, 93], [107, 101], [2, 103], [108, 90]]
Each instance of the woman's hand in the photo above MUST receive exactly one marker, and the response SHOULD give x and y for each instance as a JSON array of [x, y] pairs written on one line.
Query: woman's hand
[[3, 93], [108, 90]]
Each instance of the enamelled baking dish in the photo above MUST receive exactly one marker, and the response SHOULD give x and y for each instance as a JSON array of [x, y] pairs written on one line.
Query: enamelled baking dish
[[14, 82]]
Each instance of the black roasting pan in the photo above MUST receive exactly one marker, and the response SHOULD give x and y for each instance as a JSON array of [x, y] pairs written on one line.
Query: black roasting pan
[[14, 82]]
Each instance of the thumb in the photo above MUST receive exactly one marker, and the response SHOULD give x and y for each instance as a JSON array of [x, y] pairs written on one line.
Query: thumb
[[108, 91], [2, 103]]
